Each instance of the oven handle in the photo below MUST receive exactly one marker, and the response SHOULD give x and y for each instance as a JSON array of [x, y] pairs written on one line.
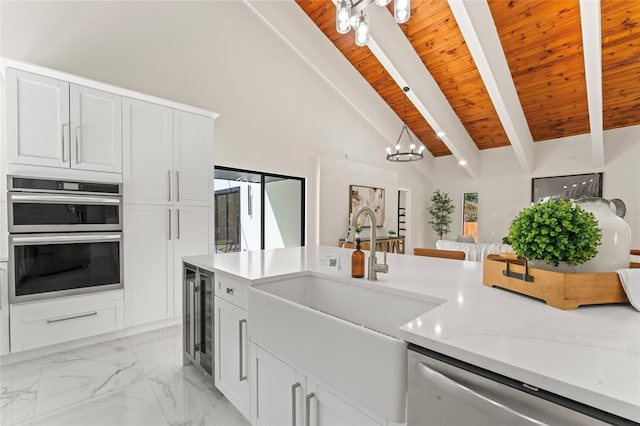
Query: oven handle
[[63, 199], [39, 239]]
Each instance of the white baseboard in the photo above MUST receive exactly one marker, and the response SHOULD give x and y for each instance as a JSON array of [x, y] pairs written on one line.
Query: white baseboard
[[74, 344]]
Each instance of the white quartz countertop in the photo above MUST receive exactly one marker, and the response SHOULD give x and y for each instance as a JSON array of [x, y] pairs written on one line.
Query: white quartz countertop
[[590, 355]]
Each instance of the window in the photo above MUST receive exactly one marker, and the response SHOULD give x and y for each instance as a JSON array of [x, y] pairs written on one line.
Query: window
[[258, 210]]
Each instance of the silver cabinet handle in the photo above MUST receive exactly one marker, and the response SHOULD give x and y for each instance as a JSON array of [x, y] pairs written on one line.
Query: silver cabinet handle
[[243, 376], [169, 237], [197, 312], [77, 145], [308, 399], [169, 185], [51, 321], [63, 142], [177, 185], [177, 224], [503, 414], [293, 402]]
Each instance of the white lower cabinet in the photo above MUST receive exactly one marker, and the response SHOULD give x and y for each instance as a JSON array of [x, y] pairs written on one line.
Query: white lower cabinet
[[232, 348], [48, 322], [281, 395], [155, 239], [4, 310], [191, 236], [148, 266]]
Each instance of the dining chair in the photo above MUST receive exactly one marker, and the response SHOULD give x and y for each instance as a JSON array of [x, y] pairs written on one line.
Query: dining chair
[[446, 254], [364, 246]]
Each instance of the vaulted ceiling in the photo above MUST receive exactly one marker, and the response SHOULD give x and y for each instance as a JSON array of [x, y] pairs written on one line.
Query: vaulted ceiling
[[513, 72]]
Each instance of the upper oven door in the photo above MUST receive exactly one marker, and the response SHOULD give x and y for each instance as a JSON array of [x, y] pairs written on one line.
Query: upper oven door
[[44, 212]]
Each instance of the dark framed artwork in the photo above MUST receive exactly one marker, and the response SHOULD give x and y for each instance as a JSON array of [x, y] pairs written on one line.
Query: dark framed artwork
[[367, 196], [569, 187]]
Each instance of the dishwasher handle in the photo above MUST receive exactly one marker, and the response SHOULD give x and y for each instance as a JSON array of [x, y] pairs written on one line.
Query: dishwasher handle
[[470, 397]]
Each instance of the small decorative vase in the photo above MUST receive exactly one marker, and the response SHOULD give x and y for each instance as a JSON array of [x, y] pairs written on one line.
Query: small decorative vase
[[613, 251], [563, 267]]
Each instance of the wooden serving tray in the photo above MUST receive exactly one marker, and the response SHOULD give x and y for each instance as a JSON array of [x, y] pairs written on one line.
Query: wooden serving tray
[[562, 291]]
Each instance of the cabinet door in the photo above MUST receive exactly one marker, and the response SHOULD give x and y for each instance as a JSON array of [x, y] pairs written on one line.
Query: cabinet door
[[37, 119], [191, 237], [193, 158], [96, 130], [147, 144], [231, 343], [279, 392], [4, 310], [148, 251], [327, 409]]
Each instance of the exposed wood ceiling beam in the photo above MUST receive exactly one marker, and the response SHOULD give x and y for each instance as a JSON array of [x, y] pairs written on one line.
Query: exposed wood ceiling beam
[[592, 49], [476, 24], [397, 55]]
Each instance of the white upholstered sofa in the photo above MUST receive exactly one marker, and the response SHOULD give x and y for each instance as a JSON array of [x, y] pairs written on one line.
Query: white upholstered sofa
[[476, 252]]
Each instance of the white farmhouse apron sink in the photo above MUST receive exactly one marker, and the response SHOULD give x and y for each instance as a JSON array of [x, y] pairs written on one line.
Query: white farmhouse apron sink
[[341, 333]]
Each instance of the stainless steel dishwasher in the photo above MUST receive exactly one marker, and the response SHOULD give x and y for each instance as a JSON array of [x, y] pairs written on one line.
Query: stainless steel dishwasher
[[446, 391]]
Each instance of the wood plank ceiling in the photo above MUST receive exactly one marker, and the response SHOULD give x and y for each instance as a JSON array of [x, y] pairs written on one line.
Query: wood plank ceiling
[[542, 42]]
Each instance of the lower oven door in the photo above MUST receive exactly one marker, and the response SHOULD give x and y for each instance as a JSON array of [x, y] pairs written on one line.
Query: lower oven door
[[43, 266]]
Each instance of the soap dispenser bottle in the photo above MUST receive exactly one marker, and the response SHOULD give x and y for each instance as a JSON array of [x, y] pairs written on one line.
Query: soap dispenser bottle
[[357, 261]]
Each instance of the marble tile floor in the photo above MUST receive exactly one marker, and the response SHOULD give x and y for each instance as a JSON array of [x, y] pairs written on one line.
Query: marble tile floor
[[134, 381]]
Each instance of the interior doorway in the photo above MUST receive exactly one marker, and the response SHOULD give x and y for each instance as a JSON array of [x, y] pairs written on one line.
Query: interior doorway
[[258, 210], [470, 215]]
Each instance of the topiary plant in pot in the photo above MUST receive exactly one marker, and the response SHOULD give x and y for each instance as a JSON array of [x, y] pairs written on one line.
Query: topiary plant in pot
[[553, 232]]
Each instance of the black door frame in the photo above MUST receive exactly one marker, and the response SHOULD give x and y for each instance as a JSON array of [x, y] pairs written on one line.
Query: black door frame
[[263, 177]]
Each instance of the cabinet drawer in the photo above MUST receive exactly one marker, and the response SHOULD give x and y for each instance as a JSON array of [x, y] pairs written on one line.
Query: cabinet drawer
[[232, 290], [46, 323]]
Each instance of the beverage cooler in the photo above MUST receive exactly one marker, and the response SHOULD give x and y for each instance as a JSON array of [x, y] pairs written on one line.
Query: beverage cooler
[[198, 318]]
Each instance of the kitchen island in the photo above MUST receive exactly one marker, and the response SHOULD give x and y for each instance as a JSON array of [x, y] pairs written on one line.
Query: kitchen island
[[590, 355]]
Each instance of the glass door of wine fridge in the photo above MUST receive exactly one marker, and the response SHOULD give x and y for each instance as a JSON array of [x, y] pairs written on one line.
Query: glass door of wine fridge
[[198, 317]]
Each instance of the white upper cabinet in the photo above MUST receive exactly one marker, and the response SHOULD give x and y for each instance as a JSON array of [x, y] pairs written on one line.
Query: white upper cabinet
[[168, 155], [56, 124], [96, 130], [148, 145], [37, 120], [192, 158]]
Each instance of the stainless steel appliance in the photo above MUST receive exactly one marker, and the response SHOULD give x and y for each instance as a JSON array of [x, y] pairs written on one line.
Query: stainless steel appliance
[[44, 205], [198, 317], [446, 391], [65, 238]]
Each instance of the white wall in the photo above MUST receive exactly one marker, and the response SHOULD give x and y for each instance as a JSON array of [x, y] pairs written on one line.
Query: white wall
[[503, 189], [282, 213], [277, 113]]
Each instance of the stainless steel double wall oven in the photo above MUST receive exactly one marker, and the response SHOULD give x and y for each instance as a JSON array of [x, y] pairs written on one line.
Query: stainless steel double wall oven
[[65, 238]]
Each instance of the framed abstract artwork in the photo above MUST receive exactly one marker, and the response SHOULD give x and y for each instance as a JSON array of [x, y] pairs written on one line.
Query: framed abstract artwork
[[367, 196]]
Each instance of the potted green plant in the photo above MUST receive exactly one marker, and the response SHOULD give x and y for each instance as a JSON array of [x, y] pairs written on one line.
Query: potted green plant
[[392, 233], [440, 212], [555, 233]]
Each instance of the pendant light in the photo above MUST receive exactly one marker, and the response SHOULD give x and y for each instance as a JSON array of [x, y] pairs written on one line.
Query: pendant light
[[350, 14], [407, 155]]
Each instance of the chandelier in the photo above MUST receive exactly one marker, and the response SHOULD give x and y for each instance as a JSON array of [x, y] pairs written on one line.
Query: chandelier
[[411, 154], [350, 14]]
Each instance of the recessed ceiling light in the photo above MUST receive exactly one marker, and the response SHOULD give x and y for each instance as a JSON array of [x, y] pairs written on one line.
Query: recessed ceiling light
[[440, 133], [462, 162]]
